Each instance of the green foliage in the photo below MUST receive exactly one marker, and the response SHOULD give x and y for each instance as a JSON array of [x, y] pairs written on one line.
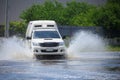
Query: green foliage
[[77, 14], [18, 27], [108, 17], [74, 13], [84, 19], [47, 11], [113, 48]]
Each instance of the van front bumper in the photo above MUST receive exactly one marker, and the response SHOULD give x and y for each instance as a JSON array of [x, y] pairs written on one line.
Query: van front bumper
[[49, 51]]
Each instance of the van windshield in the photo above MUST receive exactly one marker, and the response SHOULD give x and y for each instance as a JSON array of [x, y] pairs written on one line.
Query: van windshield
[[46, 34]]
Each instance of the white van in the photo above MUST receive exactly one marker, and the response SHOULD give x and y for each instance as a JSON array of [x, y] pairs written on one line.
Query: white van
[[44, 39]]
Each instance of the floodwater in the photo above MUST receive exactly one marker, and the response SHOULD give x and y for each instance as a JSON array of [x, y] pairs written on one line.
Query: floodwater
[[88, 66], [87, 60]]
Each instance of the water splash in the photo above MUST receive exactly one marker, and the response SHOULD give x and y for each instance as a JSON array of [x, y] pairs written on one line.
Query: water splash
[[84, 41], [14, 48]]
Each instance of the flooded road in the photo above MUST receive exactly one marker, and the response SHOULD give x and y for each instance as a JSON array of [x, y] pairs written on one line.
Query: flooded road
[[87, 60], [87, 66]]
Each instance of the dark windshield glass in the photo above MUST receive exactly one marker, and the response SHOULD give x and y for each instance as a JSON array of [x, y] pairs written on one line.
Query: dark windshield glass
[[46, 34]]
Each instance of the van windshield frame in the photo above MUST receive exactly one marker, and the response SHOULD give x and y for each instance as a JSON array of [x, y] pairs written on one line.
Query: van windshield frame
[[45, 34]]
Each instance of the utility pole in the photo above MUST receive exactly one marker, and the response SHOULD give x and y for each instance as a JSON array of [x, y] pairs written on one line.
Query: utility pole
[[6, 20]]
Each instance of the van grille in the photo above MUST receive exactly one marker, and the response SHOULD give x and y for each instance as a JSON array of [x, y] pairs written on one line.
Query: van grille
[[49, 51], [49, 44]]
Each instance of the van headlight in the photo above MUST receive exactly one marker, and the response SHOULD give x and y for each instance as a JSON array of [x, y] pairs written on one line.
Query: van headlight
[[61, 44], [35, 44]]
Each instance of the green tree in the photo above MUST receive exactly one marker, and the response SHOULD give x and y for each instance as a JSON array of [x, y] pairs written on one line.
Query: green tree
[[69, 14], [18, 28], [108, 17], [77, 14], [84, 19], [47, 11], [75, 10], [32, 13]]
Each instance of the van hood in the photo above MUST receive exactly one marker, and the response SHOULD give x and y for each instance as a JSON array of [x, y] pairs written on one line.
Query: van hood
[[46, 40]]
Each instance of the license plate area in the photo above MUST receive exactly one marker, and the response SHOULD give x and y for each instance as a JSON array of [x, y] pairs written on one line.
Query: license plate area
[[49, 49]]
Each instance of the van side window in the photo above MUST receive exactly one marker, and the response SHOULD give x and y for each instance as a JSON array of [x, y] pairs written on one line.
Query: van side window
[[50, 25], [38, 25]]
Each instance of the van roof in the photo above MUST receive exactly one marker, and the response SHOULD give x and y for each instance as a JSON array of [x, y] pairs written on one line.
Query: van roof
[[43, 22], [40, 24]]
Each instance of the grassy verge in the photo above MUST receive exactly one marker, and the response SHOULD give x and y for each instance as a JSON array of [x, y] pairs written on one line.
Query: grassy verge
[[113, 48]]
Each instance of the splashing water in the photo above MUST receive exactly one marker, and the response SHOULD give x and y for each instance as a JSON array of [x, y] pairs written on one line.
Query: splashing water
[[84, 41], [14, 48]]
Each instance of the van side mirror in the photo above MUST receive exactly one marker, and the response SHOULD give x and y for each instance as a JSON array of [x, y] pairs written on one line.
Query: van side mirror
[[28, 38], [63, 37]]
